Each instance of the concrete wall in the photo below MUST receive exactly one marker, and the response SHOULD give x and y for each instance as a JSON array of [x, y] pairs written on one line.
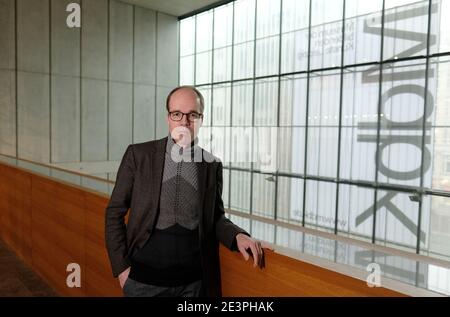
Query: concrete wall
[[83, 94]]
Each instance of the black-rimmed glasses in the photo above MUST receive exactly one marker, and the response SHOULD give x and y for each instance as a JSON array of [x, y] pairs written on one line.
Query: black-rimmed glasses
[[178, 116]]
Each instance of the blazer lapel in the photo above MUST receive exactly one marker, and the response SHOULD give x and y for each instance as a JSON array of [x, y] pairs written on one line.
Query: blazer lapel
[[156, 174]]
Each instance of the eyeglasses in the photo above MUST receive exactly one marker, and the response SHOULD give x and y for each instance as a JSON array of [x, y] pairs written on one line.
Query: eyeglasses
[[178, 116]]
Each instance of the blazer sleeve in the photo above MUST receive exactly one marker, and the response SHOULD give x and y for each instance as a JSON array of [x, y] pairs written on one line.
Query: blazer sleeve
[[119, 203], [226, 230]]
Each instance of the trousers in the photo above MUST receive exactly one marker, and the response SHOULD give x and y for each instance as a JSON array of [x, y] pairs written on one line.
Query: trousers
[[133, 288]]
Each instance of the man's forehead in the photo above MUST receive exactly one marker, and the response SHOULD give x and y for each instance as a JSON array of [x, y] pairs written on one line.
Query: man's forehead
[[185, 93], [181, 102], [177, 106]]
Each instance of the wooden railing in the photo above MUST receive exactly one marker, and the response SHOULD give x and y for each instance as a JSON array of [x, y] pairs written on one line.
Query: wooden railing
[[50, 224]]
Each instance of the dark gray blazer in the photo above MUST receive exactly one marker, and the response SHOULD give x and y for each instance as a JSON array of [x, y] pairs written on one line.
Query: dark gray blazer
[[138, 186]]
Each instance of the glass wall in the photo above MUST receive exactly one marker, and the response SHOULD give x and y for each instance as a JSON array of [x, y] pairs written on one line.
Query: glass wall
[[330, 114]]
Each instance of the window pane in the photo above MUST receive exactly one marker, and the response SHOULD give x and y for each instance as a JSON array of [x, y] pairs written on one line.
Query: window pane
[[266, 101], [293, 100], [405, 28], [241, 147], [242, 103], [324, 99], [203, 68], [240, 191], [267, 18], [357, 155], [220, 144], [436, 225], [221, 105], [295, 15], [290, 199], [440, 23], [204, 32], [441, 158], [187, 36], [400, 159], [291, 150], [295, 35], [265, 148], [396, 220], [355, 217], [360, 96], [326, 42], [322, 151], [244, 21], [263, 195], [319, 212], [324, 11], [267, 56], [326, 33], [362, 37], [243, 60], [438, 83], [294, 51], [222, 64], [223, 25], [187, 70]]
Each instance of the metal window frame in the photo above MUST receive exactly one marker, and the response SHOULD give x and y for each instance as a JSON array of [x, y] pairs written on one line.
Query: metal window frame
[[341, 98], [308, 80], [380, 92], [425, 103]]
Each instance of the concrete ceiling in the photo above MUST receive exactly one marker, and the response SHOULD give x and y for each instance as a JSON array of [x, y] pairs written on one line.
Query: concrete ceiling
[[173, 7]]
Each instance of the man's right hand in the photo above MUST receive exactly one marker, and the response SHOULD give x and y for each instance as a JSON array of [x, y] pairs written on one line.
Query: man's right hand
[[123, 277]]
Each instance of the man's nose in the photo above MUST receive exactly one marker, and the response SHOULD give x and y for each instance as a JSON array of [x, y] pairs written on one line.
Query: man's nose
[[185, 121]]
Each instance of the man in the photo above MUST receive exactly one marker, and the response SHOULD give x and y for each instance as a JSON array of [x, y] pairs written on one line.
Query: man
[[170, 245]]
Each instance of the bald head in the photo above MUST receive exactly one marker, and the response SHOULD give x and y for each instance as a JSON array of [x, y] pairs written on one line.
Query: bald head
[[186, 93]]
